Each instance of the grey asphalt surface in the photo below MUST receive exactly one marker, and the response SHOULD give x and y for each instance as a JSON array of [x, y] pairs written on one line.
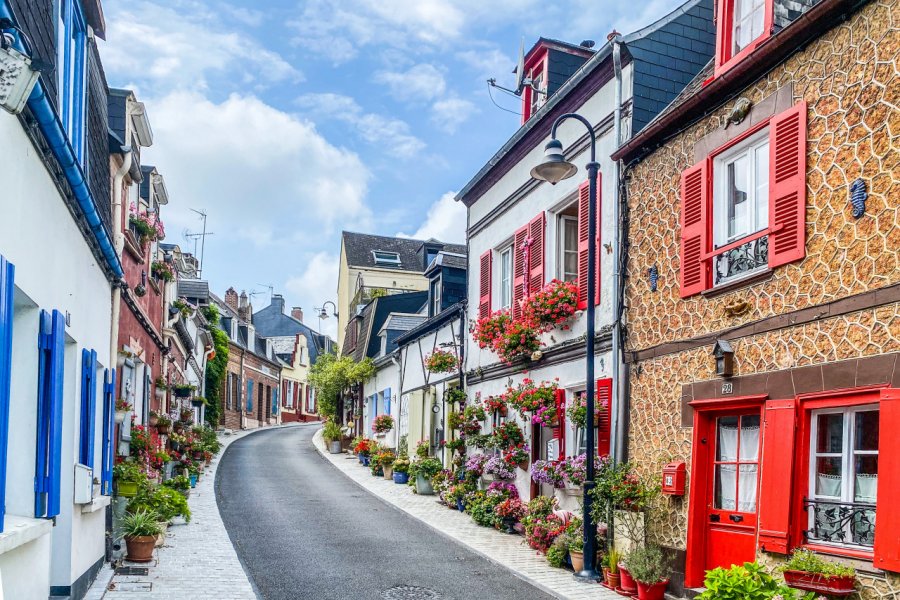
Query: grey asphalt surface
[[303, 530]]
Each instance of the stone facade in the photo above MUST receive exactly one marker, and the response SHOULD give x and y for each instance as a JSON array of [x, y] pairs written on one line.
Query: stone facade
[[850, 79]]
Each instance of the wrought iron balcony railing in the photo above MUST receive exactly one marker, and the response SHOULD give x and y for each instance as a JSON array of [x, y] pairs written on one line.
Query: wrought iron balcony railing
[[845, 523]]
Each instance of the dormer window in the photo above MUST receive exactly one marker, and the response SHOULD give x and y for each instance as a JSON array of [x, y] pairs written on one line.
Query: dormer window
[[72, 44], [535, 93], [386, 258], [741, 26]]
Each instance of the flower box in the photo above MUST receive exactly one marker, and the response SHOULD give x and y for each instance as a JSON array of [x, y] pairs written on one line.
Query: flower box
[[833, 585]]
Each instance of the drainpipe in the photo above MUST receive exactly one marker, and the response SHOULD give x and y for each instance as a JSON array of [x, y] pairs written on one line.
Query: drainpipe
[[119, 242], [58, 142], [618, 408]]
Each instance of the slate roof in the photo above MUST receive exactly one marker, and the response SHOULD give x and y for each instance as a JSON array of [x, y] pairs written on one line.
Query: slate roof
[[402, 322], [373, 316], [226, 315], [432, 324], [193, 289], [116, 106], [450, 260], [272, 321], [359, 247]]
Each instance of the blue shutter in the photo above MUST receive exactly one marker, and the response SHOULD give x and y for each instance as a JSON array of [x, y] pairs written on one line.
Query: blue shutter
[[88, 404], [249, 395], [109, 414], [274, 401], [387, 401], [52, 339], [7, 287]]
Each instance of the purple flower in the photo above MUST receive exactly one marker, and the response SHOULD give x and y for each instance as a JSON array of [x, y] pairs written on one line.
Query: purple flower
[[475, 463], [496, 466], [506, 488]]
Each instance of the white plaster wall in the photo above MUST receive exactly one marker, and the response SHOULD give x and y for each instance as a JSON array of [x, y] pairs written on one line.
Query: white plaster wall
[[386, 376], [55, 269], [25, 571]]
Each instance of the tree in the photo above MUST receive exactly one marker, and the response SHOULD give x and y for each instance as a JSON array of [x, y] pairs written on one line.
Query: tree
[[331, 375]]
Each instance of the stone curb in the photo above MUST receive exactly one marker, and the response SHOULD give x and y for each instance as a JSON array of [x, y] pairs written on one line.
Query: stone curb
[[503, 550]]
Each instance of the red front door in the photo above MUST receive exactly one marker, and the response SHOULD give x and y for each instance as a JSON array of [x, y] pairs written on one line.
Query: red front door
[[733, 489]]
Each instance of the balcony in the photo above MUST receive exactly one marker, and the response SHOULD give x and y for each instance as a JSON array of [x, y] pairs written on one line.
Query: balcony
[[842, 523]]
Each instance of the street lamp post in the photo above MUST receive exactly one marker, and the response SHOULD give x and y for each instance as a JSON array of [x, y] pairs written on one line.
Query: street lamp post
[[323, 314], [554, 169]]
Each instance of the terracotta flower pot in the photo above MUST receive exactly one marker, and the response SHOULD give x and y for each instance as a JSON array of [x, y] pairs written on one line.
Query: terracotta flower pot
[[652, 591], [577, 560], [823, 584], [162, 429], [523, 465], [140, 549], [503, 411], [628, 584], [613, 579], [605, 574], [153, 420]]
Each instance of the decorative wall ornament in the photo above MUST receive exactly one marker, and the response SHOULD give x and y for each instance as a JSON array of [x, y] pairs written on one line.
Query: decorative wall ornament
[[737, 309], [738, 112], [858, 197], [653, 277]]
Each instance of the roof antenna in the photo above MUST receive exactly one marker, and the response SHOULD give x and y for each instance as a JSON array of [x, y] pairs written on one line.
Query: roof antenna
[[521, 82]]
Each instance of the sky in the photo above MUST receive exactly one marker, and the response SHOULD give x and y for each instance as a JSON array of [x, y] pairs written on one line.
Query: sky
[[289, 121]]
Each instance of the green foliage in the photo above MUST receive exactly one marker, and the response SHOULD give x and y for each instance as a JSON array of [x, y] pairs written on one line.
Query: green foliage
[[165, 502], [331, 375], [129, 472], [806, 560], [401, 465], [428, 467], [216, 368], [556, 553], [647, 564], [179, 482], [332, 432], [141, 523], [748, 582], [480, 506]]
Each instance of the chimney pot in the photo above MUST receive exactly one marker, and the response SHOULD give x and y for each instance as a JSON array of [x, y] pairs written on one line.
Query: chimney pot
[[297, 313], [231, 298]]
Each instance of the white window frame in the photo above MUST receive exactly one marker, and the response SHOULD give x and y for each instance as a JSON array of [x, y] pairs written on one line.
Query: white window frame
[[760, 7], [538, 89], [561, 246], [507, 288], [72, 49], [746, 148], [386, 257], [848, 469]]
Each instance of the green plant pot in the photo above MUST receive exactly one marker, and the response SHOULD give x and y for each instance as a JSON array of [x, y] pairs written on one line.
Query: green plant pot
[[423, 486], [126, 489]]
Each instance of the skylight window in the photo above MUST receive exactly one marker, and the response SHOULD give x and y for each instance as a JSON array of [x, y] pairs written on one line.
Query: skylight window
[[386, 258]]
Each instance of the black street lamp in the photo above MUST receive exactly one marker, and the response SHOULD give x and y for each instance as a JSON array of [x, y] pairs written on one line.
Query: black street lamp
[[554, 169]]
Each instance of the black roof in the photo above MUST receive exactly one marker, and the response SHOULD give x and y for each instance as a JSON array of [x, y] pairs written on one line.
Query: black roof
[[359, 248], [432, 324], [372, 318], [272, 321]]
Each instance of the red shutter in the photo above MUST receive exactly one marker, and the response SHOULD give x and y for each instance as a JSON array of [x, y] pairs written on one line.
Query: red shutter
[[560, 432], [583, 195], [536, 229], [604, 399], [787, 186], [887, 525], [695, 222], [519, 270], [484, 301], [776, 475]]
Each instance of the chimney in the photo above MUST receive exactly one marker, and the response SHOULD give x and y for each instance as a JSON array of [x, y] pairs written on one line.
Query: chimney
[[244, 307], [297, 313], [278, 300], [231, 298]]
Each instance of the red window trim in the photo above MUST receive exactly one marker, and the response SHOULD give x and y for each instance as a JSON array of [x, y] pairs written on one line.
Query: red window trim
[[806, 404], [724, 20], [538, 61]]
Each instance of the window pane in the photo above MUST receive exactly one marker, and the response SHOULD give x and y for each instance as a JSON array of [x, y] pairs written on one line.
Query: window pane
[[726, 487], [736, 198], [750, 437], [867, 430], [747, 488], [829, 476], [762, 186], [726, 445], [866, 481], [830, 436]]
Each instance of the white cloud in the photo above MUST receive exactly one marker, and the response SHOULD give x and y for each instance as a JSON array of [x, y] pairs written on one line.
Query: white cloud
[[271, 184], [490, 62], [392, 133], [246, 16], [445, 221], [450, 113], [169, 49], [420, 83], [311, 288]]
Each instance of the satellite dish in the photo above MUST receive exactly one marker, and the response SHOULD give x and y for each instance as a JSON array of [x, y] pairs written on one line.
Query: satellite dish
[[520, 69]]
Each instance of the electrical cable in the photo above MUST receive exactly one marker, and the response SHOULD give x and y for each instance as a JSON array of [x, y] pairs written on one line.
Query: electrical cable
[[497, 105]]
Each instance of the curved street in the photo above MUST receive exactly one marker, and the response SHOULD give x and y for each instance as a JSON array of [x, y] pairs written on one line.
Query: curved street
[[303, 530]]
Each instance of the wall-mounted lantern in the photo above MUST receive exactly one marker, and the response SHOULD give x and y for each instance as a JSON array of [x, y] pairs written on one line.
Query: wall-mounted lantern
[[17, 77], [724, 355]]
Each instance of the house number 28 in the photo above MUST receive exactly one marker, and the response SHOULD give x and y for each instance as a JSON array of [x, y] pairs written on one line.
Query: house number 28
[[727, 387]]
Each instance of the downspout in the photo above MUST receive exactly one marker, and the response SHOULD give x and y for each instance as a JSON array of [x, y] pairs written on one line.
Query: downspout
[[58, 142], [119, 244], [243, 386], [618, 408]]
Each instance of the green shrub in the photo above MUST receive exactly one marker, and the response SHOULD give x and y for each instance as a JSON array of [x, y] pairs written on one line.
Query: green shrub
[[179, 482], [806, 560], [163, 501], [332, 432], [556, 553], [428, 467], [647, 564], [141, 523], [747, 582]]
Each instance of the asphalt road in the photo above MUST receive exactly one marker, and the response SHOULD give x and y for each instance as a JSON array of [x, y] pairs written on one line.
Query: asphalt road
[[303, 530]]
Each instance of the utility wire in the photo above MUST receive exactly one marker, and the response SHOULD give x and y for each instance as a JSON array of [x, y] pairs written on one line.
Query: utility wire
[[491, 95]]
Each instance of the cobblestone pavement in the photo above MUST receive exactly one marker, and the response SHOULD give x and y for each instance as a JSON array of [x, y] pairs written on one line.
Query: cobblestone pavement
[[506, 550], [196, 562]]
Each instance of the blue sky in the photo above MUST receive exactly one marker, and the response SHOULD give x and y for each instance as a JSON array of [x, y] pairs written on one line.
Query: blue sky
[[289, 121]]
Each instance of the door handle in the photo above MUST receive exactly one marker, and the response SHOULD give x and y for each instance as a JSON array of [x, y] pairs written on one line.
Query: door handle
[[736, 518], [714, 518]]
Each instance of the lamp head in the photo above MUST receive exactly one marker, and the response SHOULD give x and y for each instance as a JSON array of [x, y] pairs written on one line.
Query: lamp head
[[323, 314], [555, 167]]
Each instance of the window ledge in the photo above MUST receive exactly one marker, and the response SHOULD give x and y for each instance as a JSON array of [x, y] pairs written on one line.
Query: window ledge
[[18, 531], [738, 284], [132, 246], [98, 503]]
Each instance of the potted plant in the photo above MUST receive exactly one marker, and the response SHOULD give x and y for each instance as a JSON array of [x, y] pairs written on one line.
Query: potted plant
[[187, 415], [749, 580], [518, 456], [163, 422], [123, 407], [180, 484], [626, 582], [382, 424], [441, 361], [510, 512], [363, 450], [611, 568], [182, 390], [153, 418], [193, 474], [496, 404], [160, 387], [140, 529], [647, 567], [401, 469], [576, 552], [809, 572], [128, 477], [331, 433], [426, 468], [386, 459]]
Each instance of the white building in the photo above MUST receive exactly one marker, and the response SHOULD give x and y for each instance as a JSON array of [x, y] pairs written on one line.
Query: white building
[[57, 269]]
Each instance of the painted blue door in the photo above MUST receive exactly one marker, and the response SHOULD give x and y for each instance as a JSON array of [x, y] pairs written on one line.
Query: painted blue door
[[107, 446], [249, 395], [7, 288]]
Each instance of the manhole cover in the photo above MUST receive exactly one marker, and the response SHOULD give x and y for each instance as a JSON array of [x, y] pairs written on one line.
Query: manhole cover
[[410, 592], [132, 571]]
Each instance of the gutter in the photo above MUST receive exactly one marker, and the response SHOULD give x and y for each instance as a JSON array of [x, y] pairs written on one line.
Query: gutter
[[50, 126], [807, 27], [617, 410], [119, 242]]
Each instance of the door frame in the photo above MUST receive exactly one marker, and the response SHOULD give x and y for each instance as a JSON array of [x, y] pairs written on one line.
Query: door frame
[[705, 414]]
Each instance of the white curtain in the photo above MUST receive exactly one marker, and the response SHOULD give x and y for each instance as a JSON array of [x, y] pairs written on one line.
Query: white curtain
[[727, 475], [866, 488], [747, 488], [750, 443], [828, 485], [728, 437]]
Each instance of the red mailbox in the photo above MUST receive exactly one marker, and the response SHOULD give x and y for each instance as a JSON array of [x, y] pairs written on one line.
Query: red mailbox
[[673, 479]]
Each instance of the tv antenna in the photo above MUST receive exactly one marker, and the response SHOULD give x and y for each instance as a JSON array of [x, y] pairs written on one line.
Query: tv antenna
[[268, 286], [194, 237]]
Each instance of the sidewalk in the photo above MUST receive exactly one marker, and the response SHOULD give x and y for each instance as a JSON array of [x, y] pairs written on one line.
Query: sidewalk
[[507, 551], [197, 560]]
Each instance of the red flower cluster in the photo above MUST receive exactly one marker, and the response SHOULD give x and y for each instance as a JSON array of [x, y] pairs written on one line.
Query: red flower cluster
[[506, 436], [494, 403], [364, 447], [531, 397], [441, 361], [488, 329], [551, 307]]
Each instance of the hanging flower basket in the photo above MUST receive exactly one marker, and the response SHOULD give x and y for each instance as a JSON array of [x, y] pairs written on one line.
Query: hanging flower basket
[[441, 361], [382, 424], [832, 585], [552, 307]]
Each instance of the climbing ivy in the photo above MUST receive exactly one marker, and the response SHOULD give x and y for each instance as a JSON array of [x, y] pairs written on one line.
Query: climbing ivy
[[215, 368]]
